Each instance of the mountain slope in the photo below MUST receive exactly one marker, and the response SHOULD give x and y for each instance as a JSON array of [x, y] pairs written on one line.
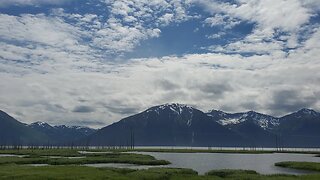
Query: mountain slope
[[169, 124], [13, 132], [301, 127], [254, 127]]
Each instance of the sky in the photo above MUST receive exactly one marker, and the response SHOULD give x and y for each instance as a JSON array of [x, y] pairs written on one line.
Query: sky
[[93, 62]]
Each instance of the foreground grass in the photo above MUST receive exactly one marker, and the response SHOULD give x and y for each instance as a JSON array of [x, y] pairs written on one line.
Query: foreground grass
[[312, 166], [250, 174], [81, 172]]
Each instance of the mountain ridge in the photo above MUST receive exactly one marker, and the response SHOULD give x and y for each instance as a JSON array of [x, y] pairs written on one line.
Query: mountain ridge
[[252, 128], [183, 125]]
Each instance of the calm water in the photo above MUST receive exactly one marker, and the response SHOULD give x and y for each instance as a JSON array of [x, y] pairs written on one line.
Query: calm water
[[204, 162], [262, 163]]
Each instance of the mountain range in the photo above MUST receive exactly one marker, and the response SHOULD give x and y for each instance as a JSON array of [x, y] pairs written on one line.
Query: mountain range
[[182, 125], [13, 132], [176, 125], [62, 134]]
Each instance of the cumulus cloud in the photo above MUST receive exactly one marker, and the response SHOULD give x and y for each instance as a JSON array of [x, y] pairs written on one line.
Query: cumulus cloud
[[225, 21], [270, 18], [55, 67]]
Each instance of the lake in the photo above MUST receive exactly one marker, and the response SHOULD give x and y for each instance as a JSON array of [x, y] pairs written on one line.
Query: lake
[[262, 163], [204, 162]]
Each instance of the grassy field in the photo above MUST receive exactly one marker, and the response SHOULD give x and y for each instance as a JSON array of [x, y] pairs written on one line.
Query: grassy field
[[81, 172]]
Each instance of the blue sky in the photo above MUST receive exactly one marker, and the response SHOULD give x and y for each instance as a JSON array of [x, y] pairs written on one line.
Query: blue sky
[[92, 62]]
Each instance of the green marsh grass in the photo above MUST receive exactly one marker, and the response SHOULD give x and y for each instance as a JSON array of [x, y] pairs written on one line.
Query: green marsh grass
[[312, 166]]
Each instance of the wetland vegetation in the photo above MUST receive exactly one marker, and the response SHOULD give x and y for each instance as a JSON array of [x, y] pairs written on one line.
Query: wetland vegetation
[[69, 164]]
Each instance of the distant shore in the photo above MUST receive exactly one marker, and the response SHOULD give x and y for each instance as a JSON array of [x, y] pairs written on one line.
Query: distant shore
[[175, 149]]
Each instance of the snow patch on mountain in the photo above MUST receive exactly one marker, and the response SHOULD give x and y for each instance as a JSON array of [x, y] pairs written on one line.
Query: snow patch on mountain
[[40, 124], [183, 112], [262, 120], [174, 107], [230, 121]]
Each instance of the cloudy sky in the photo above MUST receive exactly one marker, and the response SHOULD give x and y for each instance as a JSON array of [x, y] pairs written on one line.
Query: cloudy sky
[[93, 62]]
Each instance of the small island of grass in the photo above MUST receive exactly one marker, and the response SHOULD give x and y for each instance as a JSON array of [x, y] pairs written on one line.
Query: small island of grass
[[312, 166], [62, 157]]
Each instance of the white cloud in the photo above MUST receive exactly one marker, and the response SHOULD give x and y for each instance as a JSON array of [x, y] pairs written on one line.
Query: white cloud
[[130, 22], [166, 19], [52, 66], [216, 36], [266, 13], [40, 29], [226, 21], [270, 18]]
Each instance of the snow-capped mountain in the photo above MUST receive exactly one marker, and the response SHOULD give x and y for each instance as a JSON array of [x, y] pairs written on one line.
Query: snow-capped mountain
[[62, 133], [227, 119], [302, 121], [255, 127], [174, 107], [40, 124], [176, 125], [303, 113], [168, 124], [81, 129], [182, 113]]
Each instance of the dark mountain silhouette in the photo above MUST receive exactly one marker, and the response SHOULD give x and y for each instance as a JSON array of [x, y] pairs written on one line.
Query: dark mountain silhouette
[[169, 124], [181, 125], [300, 128], [175, 125]]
